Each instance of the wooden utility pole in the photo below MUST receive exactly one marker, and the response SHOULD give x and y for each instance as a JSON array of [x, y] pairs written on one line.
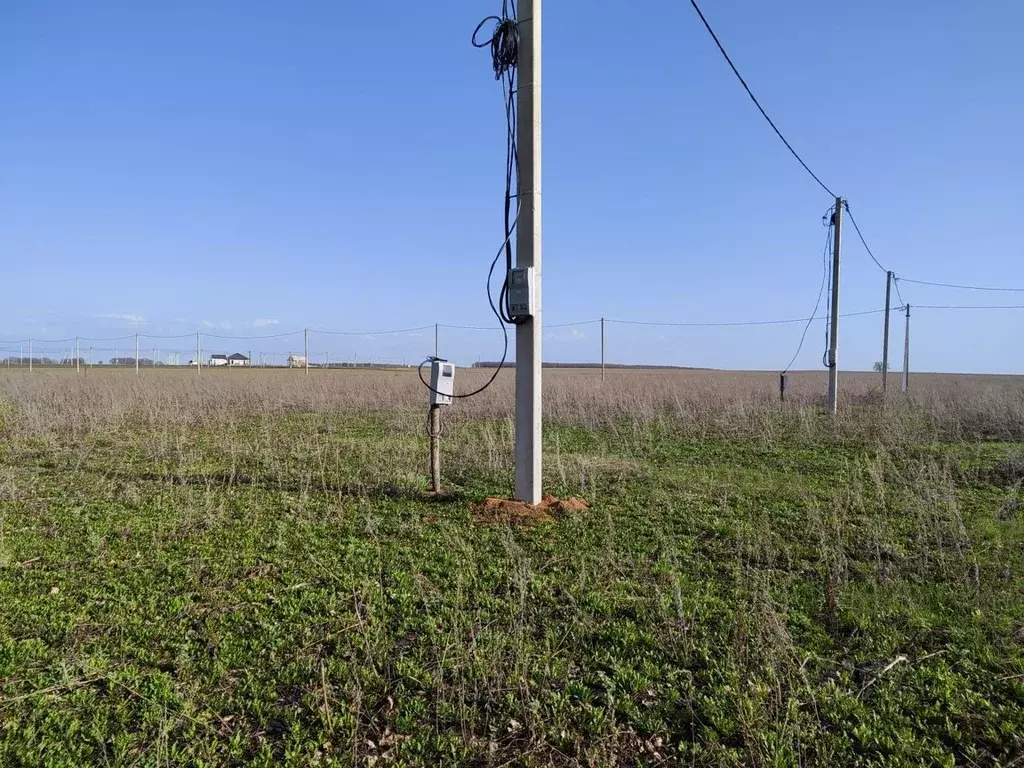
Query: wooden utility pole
[[434, 424], [30, 355], [602, 349], [305, 337], [885, 333], [136, 354], [906, 354], [78, 357], [199, 354], [529, 371], [833, 341]]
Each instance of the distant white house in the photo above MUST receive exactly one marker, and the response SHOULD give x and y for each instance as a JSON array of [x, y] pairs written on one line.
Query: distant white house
[[296, 361], [238, 359], [216, 360]]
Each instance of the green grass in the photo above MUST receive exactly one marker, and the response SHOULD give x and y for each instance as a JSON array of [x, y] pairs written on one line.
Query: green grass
[[278, 592]]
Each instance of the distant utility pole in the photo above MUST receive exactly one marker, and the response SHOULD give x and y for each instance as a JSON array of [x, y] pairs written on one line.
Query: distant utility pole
[[30, 355], [885, 333], [199, 355], [78, 357], [833, 341], [305, 336], [906, 354], [602, 349], [136, 354], [436, 345], [529, 370]]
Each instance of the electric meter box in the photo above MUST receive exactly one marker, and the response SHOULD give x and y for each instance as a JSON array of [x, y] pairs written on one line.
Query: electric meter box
[[442, 382], [520, 293]]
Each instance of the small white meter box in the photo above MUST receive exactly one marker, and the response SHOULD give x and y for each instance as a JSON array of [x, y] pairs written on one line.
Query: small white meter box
[[442, 382]]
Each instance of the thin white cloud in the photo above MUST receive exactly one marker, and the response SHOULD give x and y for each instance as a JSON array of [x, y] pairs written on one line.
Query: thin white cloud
[[127, 318], [263, 322], [574, 334]]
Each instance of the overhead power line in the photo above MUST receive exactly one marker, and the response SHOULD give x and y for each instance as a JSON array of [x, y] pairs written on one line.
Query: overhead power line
[[862, 240], [964, 306], [896, 285], [964, 287], [742, 323], [753, 98]]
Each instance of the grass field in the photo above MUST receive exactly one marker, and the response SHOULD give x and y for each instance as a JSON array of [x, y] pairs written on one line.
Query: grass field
[[241, 568]]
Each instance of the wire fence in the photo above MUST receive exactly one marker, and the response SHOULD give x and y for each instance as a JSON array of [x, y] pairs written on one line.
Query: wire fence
[[597, 341]]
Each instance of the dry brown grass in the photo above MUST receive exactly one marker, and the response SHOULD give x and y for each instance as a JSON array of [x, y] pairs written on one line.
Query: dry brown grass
[[719, 403]]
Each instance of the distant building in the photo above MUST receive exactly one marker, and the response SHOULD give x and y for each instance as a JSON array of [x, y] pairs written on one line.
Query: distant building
[[238, 359], [216, 360], [297, 361]]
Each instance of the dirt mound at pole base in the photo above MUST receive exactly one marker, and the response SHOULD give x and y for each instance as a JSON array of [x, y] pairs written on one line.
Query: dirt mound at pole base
[[520, 513]]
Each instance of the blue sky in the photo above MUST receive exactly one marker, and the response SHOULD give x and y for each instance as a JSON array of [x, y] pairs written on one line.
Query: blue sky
[[258, 167]]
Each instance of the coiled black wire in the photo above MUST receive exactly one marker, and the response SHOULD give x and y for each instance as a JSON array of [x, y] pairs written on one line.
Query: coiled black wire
[[504, 45]]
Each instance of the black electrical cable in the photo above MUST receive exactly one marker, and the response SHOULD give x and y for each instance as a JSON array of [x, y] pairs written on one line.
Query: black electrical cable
[[817, 302], [862, 240], [753, 98], [504, 45], [962, 287], [829, 220], [896, 284]]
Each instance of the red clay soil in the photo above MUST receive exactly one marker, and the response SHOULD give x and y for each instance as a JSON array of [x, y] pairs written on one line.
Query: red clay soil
[[520, 513]]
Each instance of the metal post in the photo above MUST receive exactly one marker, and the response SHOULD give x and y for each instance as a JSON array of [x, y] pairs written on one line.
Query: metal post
[[833, 341], [305, 336], [199, 355], [136, 354], [435, 448], [529, 370], [78, 357], [906, 354], [885, 333], [602, 349]]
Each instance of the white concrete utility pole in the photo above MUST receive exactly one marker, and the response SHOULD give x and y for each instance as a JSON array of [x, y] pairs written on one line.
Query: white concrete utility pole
[[885, 333], [906, 354], [136, 354], [30, 355], [528, 253], [602, 349], [305, 339], [833, 340], [199, 354], [78, 357]]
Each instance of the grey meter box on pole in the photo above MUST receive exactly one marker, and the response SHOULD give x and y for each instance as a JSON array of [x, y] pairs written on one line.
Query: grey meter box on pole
[[520, 292], [442, 382]]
